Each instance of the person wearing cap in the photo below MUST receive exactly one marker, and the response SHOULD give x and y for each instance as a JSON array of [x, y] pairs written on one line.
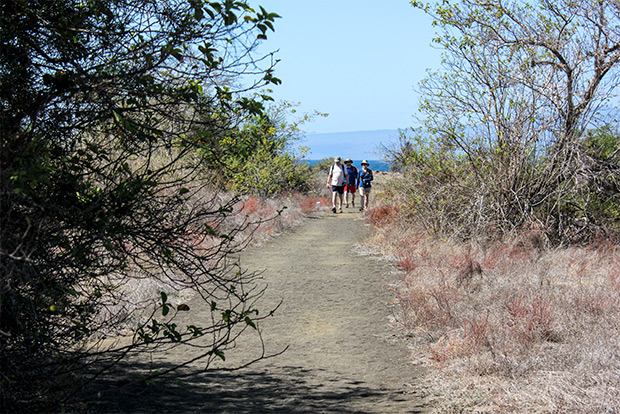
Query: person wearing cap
[[351, 183], [337, 179], [364, 179]]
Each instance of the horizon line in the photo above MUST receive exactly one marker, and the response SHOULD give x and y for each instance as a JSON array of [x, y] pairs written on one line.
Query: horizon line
[[353, 132]]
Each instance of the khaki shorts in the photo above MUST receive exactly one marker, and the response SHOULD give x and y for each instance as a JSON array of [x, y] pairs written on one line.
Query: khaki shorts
[[364, 190]]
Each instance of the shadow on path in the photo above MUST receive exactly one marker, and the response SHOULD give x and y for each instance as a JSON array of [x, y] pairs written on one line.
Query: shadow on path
[[245, 391], [333, 313]]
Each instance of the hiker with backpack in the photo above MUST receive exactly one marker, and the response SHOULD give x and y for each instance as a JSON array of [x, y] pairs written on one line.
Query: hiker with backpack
[[351, 184], [364, 179], [337, 179]]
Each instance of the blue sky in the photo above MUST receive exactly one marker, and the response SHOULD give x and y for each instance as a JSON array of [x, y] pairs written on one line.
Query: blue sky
[[358, 60]]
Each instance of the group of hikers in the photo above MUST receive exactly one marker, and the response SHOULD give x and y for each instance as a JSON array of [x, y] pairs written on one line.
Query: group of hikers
[[345, 179]]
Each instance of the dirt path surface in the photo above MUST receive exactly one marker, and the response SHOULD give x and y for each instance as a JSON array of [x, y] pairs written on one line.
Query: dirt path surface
[[341, 356]]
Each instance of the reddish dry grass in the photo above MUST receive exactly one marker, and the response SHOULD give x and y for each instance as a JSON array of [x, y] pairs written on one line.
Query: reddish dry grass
[[511, 326], [282, 213], [406, 264], [459, 343], [383, 214], [530, 320], [311, 204]]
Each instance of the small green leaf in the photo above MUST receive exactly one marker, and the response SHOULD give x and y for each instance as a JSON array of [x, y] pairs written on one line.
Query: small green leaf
[[219, 354], [196, 331], [226, 316], [198, 13], [250, 322]]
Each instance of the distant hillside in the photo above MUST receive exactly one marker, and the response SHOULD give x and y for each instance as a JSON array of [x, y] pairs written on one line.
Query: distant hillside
[[355, 145]]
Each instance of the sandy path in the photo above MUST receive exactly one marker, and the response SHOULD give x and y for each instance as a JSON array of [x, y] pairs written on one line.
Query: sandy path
[[341, 356]]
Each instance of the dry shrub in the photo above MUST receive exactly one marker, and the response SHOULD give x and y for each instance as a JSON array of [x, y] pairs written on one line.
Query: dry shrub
[[511, 325], [384, 214], [312, 204], [250, 205], [530, 320], [271, 216], [417, 311], [406, 263], [462, 342]]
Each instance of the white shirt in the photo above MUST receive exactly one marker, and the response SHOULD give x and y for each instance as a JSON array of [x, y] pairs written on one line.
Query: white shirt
[[337, 175]]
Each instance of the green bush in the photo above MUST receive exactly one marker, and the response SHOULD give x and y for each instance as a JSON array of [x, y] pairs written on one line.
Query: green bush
[[323, 165], [487, 192], [265, 174], [259, 158], [597, 204]]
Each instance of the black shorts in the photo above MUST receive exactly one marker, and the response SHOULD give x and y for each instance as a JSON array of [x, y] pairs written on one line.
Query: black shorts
[[338, 189]]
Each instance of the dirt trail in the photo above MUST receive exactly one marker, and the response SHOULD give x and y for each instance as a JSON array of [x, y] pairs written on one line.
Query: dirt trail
[[341, 356]]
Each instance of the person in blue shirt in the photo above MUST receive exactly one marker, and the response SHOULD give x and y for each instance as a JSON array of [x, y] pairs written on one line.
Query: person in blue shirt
[[351, 184], [364, 179]]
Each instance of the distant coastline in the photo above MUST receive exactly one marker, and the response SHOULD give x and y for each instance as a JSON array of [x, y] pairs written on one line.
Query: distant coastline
[[375, 165], [356, 145]]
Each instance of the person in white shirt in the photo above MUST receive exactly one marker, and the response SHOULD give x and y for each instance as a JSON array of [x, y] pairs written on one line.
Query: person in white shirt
[[336, 180]]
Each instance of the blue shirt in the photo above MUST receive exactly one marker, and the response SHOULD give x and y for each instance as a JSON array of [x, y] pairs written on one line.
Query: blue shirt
[[364, 178], [352, 174]]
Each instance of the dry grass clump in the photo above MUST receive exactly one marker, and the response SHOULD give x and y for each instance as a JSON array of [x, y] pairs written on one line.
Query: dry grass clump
[[512, 326], [262, 218]]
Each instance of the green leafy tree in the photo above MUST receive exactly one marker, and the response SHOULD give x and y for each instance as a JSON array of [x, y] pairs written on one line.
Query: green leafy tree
[[520, 85], [597, 204], [324, 165], [263, 159], [105, 105], [432, 185]]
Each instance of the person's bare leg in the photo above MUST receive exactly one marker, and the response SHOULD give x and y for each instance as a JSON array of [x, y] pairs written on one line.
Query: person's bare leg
[[361, 199]]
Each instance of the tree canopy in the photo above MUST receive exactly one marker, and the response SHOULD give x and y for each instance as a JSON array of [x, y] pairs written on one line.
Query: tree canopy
[[520, 85], [112, 112]]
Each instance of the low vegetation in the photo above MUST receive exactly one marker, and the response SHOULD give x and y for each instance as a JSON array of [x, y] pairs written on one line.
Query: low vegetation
[[502, 217], [508, 325]]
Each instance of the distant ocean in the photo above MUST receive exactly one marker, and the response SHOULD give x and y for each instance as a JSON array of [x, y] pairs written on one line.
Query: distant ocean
[[375, 165]]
